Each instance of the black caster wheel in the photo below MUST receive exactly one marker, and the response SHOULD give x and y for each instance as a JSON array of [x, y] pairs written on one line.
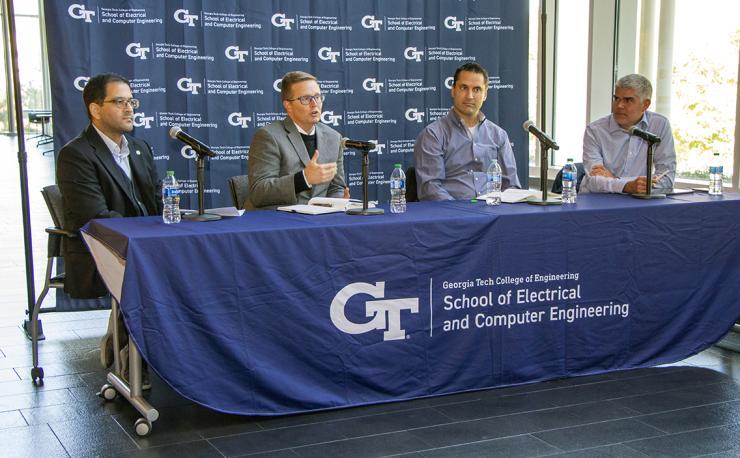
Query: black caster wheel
[[142, 427], [108, 393], [37, 375]]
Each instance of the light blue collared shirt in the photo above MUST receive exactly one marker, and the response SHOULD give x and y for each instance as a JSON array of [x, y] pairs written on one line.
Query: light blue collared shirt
[[120, 153], [625, 155], [452, 165]]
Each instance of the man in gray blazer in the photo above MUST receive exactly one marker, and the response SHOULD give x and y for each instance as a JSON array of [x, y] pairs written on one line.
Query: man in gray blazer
[[293, 160]]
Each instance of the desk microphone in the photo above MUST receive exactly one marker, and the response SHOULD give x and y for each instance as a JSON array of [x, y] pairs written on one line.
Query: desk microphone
[[645, 135], [177, 133], [541, 136], [357, 144]]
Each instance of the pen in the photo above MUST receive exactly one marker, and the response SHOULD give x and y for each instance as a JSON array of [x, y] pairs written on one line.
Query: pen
[[658, 177]]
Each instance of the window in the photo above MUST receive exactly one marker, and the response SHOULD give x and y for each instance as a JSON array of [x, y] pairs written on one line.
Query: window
[[566, 92], [30, 63], [689, 51]]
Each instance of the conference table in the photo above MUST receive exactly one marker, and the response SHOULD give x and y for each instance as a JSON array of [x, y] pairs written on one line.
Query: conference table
[[275, 313]]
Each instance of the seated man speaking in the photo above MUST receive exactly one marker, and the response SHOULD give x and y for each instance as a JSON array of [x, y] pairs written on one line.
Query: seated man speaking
[[614, 159], [453, 153], [293, 160]]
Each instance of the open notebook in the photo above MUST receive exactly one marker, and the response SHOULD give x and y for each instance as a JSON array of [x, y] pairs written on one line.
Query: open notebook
[[323, 205], [514, 195]]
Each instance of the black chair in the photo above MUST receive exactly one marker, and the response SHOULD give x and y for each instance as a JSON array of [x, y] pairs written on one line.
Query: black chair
[[53, 198], [557, 184], [411, 195], [239, 186]]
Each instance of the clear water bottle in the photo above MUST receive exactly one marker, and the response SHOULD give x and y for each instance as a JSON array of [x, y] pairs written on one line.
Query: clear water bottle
[[170, 199], [715, 176], [493, 184], [398, 190], [570, 179]]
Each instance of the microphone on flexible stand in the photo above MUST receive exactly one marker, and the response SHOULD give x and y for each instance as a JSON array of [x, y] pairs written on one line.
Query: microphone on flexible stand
[[541, 136], [652, 139], [365, 147], [545, 143], [201, 148], [358, 145], [202, 151], [643, 134]]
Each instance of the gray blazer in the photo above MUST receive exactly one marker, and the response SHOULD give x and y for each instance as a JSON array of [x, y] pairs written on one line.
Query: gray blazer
[[277, 153]]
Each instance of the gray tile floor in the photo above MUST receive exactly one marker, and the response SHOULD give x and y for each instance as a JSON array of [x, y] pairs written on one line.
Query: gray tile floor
[[691, 408]]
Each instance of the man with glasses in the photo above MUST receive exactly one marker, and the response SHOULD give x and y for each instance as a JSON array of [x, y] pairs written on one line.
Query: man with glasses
[[103, 173], [293, 160], [613, 158], [453, 153]]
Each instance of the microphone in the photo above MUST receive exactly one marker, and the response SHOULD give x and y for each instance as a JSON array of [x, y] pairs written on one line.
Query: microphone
[[645, 135], [178, 134], [541, 136], [357, 144]]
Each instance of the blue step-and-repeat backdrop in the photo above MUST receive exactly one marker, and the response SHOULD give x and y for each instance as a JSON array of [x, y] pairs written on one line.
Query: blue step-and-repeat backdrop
[[213, 68]]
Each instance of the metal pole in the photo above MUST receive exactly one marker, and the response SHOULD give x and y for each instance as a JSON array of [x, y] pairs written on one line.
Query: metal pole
[[543, 64], [22, 156]]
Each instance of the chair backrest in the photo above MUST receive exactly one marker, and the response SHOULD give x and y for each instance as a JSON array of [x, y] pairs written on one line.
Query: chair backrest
[[239, 186], [557, 184], [411, 195], [53, 198]]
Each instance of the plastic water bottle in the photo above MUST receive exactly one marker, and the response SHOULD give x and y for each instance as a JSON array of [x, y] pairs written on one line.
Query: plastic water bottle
[[570, 179], [398, 190], [715, 176], [170, 199], [493, 184]]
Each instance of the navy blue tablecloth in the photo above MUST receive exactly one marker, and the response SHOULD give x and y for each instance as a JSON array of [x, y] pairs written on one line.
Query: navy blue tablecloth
[[275, 313]]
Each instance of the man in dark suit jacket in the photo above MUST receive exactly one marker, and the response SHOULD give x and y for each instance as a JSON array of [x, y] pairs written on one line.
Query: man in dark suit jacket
[[293, 160], [103, 173]]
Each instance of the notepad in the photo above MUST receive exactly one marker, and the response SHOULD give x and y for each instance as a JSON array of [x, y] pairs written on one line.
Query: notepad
[[323, 205], [514, 195]]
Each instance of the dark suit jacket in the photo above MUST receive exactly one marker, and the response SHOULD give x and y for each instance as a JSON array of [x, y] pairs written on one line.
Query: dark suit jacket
[[93, 185], [277, 153]]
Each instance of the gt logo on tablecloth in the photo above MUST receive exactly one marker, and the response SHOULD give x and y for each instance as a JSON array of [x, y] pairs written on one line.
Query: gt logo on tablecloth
[[384, 313]]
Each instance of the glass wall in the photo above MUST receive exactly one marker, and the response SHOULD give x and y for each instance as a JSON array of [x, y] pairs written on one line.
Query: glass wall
[[567, 70], [704, 84], [689, 49], [30, 63]]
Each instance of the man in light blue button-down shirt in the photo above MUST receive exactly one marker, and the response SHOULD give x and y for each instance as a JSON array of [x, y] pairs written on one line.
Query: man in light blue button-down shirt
[[453, 153], [613, 159]]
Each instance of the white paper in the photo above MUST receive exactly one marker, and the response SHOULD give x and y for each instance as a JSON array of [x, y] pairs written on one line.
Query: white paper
[[322, 205], [224, 211], [338, 202], [309, 209], [514, 195]]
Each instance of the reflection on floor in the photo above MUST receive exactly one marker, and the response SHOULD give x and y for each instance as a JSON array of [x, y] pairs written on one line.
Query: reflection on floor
[[691, 408]]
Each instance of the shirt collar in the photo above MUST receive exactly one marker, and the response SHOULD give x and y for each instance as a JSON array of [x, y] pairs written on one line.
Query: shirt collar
[[454, 116], [313, 130], [119, 152]]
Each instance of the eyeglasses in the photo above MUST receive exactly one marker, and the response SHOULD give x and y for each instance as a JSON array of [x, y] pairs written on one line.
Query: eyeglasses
[[121, 103], [307, 99]]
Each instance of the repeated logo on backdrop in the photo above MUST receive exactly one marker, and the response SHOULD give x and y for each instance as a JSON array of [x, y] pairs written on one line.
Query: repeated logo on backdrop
[[214, 69]]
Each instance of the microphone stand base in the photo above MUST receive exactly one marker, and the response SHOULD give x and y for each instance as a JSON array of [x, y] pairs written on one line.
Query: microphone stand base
[[201, 217], [539, 201], [365, 211], [642, 195]]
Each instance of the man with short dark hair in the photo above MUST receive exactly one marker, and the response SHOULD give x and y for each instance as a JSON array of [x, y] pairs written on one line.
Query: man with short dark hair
[[614, 159], [453, 153], [293, 160], [103, 173]]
